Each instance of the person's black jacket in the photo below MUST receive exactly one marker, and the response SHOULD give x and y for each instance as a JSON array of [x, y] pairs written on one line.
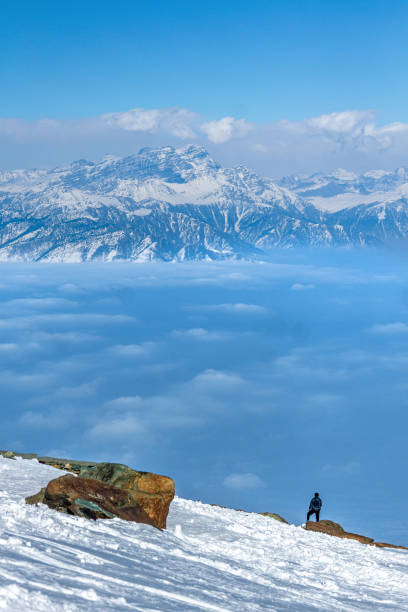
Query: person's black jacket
[[315, 504]]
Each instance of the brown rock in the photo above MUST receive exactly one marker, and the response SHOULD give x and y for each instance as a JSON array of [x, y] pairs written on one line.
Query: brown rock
[[275, 516], [38, 498], [92, 499], [334, 529], [65, 464], [386, 545], [8, 454], [152, 492]]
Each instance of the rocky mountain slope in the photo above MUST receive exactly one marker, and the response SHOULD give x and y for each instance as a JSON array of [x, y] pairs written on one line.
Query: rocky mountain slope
[[176, 204]]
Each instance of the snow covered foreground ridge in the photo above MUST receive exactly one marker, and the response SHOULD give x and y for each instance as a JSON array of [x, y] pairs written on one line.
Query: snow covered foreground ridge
[[176, 204], [208, 559], [152, 492]]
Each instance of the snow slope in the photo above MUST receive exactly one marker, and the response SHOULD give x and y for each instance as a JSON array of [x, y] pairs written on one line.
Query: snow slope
[[209, 559]]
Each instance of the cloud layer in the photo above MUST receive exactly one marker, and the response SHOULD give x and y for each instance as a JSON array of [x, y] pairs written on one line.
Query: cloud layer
[[250, 393], [353, 139]]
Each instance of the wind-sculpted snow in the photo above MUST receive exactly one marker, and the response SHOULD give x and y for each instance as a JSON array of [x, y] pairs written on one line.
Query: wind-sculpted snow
[[209, 559], [179, 204]]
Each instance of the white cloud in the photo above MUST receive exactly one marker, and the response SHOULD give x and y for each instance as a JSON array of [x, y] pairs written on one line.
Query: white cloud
[[128, 402], [40, 420], [352, 139], [324, 400], [243, 481], [217, 380], [30, 130], [70, 288], [260, 148], [223, 130], [37, 304], [28, 381], [8, 347], [127, 416], [389, 328], [344, 122], [65, 337], [78, 391], [200, 334], [123, 427], [301, 287], [64, 319], [356, 129], [188, 404], [174, 121], [233, 308], [132, 350]]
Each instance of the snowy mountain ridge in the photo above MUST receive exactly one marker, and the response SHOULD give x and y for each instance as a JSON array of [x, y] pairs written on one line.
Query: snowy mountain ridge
[[344, 189], [176, 204], [209, 558]]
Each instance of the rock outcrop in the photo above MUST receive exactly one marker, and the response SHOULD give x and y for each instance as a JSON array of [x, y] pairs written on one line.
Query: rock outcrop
[[275, 516], [90, 498], [152, 492], [108, 490], [386, 545], [334, 529], [68, 465]]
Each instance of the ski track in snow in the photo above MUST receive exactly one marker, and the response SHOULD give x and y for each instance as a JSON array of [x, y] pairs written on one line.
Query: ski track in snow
[[210, 558]]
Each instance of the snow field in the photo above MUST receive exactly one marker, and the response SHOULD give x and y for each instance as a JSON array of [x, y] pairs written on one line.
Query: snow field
[[210, 558]]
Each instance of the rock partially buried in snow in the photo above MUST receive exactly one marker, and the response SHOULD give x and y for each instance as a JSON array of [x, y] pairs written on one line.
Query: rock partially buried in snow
[[334, 529], [108, 490], [152, 492], [56, 462], [386, 545], [90, 498], [7, 454], [275, 516]]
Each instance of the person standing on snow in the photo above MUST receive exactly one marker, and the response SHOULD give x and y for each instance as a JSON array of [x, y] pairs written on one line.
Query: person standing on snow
[[315, 507]]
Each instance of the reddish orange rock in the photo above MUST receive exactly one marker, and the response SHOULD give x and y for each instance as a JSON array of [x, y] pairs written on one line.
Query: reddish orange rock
[[386, 545], [90, 498], [108, 490], [152, 492], [334, 529]]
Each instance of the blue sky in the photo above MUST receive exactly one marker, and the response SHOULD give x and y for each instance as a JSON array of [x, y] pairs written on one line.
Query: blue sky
[[252, 65], [264, 60], [253, 385]]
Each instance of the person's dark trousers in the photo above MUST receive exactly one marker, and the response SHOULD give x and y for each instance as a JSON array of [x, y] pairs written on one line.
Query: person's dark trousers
[[316, 512]]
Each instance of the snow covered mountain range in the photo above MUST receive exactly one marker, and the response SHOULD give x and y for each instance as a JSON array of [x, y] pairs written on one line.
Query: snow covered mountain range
[[177, 204]]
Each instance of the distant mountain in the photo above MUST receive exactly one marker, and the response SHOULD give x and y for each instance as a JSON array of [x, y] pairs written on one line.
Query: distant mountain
[[343, 189], [177, 204]]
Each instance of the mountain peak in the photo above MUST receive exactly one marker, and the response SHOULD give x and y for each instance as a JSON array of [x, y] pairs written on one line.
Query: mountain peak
[[178, 203]]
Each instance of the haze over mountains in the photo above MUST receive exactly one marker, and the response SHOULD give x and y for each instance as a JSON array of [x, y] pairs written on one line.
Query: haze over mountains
[[179, 204]]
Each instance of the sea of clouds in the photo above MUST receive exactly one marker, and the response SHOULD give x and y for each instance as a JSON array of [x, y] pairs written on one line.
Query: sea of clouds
[[252, 384]]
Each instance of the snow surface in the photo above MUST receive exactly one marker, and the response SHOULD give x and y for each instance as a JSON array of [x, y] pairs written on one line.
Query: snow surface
[[209, 559], [342, 189], [351, 200]]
